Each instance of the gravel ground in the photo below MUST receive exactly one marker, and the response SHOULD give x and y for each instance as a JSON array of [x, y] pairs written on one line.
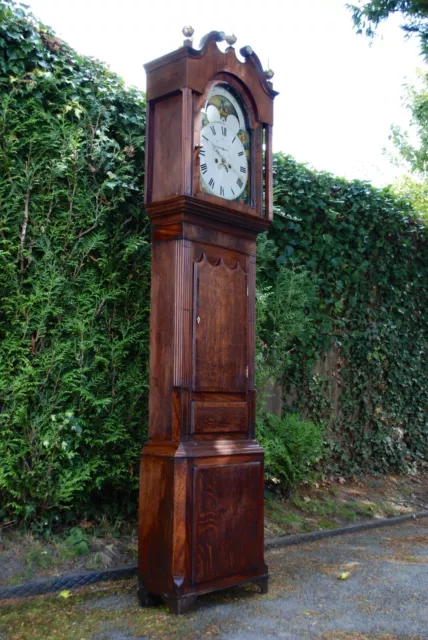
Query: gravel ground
[[385, 597]]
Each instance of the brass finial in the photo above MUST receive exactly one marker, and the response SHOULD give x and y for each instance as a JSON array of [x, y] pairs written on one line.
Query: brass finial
[[231, 39], [188, 31], [246, 51], [269, 74]]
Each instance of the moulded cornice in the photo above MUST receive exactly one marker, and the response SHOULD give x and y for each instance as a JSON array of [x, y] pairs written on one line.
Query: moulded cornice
[[186, 208], [202, 448], [194, 68]]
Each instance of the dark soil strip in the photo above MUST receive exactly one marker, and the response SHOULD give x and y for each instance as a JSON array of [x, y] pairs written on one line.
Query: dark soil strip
[[75, 580]]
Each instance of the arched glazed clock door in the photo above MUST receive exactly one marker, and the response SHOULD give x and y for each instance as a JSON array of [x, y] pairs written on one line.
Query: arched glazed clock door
[[225, 149]]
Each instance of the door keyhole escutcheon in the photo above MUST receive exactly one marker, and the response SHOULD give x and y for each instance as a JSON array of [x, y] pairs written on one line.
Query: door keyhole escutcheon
[[198, 320]]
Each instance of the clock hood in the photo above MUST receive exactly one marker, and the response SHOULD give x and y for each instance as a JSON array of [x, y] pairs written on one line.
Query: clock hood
[[195, 68]]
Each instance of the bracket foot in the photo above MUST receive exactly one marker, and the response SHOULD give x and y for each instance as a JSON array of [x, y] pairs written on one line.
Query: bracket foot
[[181, 604], [148, 599], [263, 583]]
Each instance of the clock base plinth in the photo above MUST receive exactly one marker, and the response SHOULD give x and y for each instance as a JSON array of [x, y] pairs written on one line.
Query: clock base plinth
[[201, 520], [180, 604]]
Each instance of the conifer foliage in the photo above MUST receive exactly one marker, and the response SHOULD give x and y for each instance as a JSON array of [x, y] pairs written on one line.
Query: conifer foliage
[[74, 277]]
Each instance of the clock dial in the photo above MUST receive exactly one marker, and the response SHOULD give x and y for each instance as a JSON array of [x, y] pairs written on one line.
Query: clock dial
[[224, 156], [223, 163]]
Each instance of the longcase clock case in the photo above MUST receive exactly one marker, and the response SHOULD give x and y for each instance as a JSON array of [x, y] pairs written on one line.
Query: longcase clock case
[[201, 489]]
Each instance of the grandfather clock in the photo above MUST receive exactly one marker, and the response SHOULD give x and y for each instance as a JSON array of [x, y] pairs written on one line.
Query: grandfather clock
[[208, 194]]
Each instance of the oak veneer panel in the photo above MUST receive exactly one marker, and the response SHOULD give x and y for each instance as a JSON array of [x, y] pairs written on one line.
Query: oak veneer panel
[[227, 523], [155, 520], [220, 239], [251, 320], [162, 345], [167, 147], [268, 174], [215, 255], [220, 327], [219, 417], [182, 313]]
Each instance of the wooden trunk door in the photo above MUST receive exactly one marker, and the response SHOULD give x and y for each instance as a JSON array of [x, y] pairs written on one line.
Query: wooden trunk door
[[220, 348], [220, 329], [227, 519]]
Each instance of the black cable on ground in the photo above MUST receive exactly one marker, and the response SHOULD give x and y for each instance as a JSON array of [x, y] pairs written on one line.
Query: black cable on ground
[[76, 580]]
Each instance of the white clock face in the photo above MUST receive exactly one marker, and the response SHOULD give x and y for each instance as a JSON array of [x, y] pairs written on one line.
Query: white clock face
[[225, 146], [223, 163]]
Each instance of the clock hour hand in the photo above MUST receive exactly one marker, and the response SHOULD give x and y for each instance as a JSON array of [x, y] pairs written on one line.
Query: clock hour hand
[[217, 146], [223, 162], [226, 162], [215, 149]]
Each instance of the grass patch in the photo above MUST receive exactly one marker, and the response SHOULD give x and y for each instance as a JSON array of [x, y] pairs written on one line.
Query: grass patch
[[390, 510], [412, 559], [279, 514], [101, 610], [327, 508], [314, 508], [326, 524], [56, 618], [39, 556]]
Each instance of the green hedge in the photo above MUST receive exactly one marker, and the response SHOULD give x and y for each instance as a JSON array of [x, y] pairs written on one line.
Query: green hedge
[[75, 280], [369, 259]]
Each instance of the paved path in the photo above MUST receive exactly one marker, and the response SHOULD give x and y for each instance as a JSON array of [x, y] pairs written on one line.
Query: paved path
[[385, 597]]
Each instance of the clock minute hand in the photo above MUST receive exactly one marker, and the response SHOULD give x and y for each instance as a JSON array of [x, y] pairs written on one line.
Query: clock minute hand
[[222, 161], [217, 152], [215, 147]]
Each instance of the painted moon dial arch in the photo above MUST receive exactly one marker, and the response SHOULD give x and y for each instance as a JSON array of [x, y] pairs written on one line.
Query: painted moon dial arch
[[224, 154]]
